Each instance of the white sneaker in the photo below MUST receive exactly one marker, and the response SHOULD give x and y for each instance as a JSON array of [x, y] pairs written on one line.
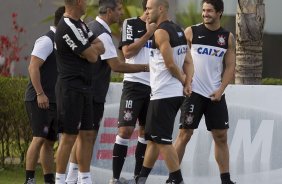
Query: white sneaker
[[118, 181]]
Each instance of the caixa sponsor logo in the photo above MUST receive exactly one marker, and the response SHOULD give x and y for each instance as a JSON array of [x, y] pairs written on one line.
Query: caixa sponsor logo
[[210, 52], [182, 50]]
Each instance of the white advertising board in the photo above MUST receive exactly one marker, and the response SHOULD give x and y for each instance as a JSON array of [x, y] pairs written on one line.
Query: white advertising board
[[254, 138]]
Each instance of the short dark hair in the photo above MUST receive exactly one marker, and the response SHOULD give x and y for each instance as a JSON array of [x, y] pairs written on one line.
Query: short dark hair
[[144, 3], [58, 15], [217, 4], [105, 4], [70, 2]]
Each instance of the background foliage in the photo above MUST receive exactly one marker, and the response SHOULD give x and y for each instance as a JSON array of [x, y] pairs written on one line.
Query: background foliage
[[15, 133]]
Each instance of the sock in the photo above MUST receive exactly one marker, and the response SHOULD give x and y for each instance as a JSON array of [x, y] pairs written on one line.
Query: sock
[[144, 173], [139, 156], [29, 174], [49, 178], [60, 178], [225, 177], [72, 173], [119, 155], [176, 177], [85, 177], [78, 178]]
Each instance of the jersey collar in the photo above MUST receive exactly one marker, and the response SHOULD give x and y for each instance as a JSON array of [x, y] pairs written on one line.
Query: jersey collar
[[101, 21]]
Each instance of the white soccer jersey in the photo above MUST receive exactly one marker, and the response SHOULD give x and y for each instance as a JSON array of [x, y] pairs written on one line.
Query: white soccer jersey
[[132, 30], [163, 84], [208, 50]]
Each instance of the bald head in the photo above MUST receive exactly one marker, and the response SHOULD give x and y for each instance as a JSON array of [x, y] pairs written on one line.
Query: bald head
[[157, 10]]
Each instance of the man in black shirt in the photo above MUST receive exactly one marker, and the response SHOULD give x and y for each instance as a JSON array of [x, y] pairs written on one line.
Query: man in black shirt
[[110, 12], [76, 49], [41, 104]]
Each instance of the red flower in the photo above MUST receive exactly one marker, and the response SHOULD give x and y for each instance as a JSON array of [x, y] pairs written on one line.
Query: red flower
[[14, 15], [10, 47]]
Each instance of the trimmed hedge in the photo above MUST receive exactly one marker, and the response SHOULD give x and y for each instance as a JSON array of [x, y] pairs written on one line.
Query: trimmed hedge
[[271, 81], [15, 132]]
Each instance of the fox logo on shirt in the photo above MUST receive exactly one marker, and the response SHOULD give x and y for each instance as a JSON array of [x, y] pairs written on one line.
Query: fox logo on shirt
[[129, 33], [70, 42]]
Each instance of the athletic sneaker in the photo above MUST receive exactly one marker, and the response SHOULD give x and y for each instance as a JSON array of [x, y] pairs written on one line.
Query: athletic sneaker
[[169, 181], [118, 181], [131, 181], [141, 180], [229, 182], [51, 182], [30, 181]]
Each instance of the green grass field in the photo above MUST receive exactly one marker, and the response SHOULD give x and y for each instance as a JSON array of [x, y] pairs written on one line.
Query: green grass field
[[15, 174]]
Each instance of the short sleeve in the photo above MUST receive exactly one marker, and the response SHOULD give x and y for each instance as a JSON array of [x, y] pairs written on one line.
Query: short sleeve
[[76, 36], [127, 33], [110, 49], [43, 47]]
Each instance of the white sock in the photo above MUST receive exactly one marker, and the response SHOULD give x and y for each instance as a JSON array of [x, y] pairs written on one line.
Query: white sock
[[72, 173], [85, 177], [60, 178]]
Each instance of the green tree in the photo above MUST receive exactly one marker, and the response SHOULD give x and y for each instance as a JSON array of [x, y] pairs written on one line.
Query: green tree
[[189, 17], [193, 16]]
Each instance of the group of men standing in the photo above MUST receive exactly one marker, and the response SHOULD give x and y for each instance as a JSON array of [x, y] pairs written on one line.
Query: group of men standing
[[160, 78]]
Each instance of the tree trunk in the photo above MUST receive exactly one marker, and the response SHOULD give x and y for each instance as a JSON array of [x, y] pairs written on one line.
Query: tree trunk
[[249, 34]]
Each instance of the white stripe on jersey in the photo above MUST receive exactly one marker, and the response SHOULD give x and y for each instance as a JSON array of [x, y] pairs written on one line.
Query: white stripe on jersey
[[166, 140], [76, 31], [127, 31], [123, 37]]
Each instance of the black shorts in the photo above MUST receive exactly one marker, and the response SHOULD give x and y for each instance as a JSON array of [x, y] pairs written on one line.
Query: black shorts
[[160, 119], [195, 106], [43, 121], [98, 112], [134, 103], [75, 110]]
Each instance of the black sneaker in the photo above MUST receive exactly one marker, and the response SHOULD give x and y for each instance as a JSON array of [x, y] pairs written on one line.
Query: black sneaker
[[168, 181], [228, 182], [30, 181]]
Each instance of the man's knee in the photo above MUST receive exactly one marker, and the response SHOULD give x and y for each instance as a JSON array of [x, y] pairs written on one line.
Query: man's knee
[[185, 135], [86, 136], [141, 131], [68, 139], [48, 144], [220, 136], [38, 141], [125, 132]]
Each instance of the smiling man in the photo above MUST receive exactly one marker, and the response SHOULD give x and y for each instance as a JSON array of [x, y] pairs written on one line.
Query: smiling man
[[212, 48]]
